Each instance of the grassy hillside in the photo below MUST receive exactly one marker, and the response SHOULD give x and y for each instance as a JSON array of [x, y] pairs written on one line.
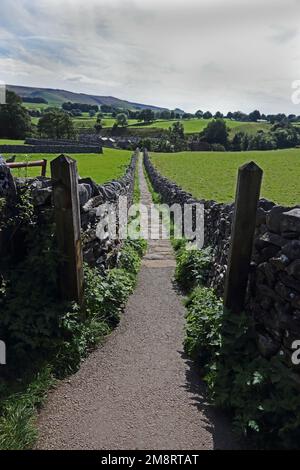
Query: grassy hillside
[[57, 97], [212, 175], [102, 167]]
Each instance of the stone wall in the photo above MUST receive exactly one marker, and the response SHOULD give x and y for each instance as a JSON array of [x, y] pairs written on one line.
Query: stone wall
[[96, 252], [274, 286], [49, 148]]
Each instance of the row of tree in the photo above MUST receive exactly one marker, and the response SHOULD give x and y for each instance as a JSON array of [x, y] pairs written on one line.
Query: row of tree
[[216, 137], [254, 116], [83, 108]]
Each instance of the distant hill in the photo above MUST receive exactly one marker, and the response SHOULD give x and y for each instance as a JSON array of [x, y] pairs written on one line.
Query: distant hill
[[57, 97]]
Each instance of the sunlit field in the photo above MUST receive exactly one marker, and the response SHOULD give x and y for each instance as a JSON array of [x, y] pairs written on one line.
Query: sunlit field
[[212, 175], [100, 167]]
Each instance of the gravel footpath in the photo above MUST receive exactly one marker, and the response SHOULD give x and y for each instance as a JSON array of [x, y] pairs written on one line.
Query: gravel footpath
[[137, 391]]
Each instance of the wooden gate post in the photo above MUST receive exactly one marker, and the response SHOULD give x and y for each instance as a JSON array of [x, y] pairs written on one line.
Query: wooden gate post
[[68, 225], [243, 228]]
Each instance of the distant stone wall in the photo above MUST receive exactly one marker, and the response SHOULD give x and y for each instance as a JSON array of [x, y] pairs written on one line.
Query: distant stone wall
[[274, 286], [55, 149], [47, 142]]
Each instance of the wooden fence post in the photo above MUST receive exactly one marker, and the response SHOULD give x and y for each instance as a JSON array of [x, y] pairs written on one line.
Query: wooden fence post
[[68, 225], [243, 228], [44, 167]]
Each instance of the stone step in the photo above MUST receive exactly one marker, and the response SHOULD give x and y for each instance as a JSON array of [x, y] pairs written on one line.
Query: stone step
[[165, 263], [159, 256]]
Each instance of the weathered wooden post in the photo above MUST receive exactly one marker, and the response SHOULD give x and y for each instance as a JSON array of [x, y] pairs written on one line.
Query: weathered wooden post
[[67, 219], [243, 228], [8, 192], [44, 167]]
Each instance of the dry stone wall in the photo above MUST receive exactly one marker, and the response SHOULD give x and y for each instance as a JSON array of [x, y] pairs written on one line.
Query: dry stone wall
[[97, 252], [274, 284], [53, 148]]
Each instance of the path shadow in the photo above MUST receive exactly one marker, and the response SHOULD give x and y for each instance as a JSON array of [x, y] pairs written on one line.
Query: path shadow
[[217, 422]]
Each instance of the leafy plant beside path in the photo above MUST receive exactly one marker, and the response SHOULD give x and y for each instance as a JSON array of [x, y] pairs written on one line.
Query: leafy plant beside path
[[260, 394], [47, 339]]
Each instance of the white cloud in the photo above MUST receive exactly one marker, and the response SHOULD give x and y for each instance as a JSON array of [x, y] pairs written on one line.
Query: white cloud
[[213, 54]]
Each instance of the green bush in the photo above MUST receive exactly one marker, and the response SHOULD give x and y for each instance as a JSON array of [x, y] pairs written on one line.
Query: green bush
[[130, 255], [192, 267], [260, 393], [49, 338], [203, 321], [17, 424]]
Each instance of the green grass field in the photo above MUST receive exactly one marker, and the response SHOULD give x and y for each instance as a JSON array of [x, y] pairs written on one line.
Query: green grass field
[[212, 175], [11, 142], [86, 121], [100, 167], [36, 106], [192, 126]]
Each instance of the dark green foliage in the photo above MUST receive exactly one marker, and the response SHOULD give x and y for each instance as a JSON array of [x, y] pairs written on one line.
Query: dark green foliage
[[177, 138], [56, 124], [105, 298], [15, 122], [192, 267], [129, 258], [48, 339], [216, 132], [17, 423], [121, 119], [203, 325], [218, 148], [261, 394], [146, 115], [254, 116], [281, 135]]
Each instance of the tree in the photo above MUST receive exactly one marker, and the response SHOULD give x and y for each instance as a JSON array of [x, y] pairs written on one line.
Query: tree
[[187, 116], [146, 115], [176, 136], [262, 141], [199, 114], [121, 119], [237, 142], [218, 115], [216, 132], [254, 116], [286, 136], [207, 115], [56, 124], [107, 108], [165, 114], [239, 116], [98, 125], [15, 122]]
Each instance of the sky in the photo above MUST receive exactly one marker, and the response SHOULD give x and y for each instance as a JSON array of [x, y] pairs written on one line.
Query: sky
[[212, 55]]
